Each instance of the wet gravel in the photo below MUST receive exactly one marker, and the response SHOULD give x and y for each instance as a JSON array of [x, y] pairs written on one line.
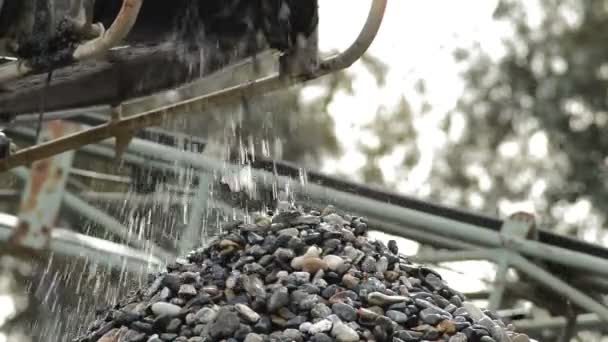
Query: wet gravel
[[296, 276]]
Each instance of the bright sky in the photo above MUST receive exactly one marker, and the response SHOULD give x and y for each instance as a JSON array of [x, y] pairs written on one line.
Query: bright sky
[[416, 40]]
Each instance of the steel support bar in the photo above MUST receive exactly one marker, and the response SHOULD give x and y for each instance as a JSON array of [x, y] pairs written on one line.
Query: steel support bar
[[156, 116], [519, 226], [500, 280], [43, 192], [452, 256], [418, 235], [589, 321], [199, 208], [107, 221], [558, 285], [68, 243], [390, 213]]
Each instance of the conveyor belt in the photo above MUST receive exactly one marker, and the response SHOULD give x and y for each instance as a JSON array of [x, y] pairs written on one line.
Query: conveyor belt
[[288, 169]]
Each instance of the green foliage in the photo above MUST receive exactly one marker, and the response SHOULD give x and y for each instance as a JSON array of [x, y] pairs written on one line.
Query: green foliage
[[392, 129], [550, 83]]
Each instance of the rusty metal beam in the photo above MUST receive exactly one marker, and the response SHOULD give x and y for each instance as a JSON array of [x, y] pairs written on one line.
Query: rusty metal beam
[[43, 192], [128, 123]]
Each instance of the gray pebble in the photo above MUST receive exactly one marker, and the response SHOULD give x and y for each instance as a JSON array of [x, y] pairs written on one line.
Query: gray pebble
[[397, 316], [344, 333], [253, 337], [320, 310], [165, 309], [247, 313], [345, 312], [206, 315], [321, 326]]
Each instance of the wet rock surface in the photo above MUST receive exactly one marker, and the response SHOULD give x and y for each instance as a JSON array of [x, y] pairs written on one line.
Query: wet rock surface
[[299, 277]]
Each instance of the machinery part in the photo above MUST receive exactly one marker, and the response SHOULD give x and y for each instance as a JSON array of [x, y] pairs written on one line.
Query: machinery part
[[5, 146], [112, 225], [119, 29], [69, 243], [200, 102], [43, 192]]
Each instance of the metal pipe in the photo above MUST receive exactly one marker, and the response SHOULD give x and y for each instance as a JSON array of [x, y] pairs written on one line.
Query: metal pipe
[[452, 256], [113, 225], [363, 41], [500, 279], [98, 216], [120, 28], [199, 208], [584, 321], [558, 285], [196, 103], [100, 176], [70, 243], [56, 115], [410, 218], [418, 235]]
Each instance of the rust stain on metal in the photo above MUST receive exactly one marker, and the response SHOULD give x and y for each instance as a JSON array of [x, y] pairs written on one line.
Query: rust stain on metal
[[19, 233], [40, 172], [43, 192]]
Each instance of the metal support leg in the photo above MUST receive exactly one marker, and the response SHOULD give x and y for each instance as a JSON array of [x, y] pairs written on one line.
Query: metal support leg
[[518, 225], [43, 192], [558, 285], [98, 216], [31, 235], [200, 207], [500, 281]]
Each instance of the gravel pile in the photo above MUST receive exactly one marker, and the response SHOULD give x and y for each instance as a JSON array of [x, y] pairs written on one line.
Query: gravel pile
[[297, 277]]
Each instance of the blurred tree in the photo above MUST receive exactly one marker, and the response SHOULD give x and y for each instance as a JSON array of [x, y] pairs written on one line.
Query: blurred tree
[[529, 125], [393, 135]]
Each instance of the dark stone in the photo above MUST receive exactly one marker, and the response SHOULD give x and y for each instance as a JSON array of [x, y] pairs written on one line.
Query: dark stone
[[296, 322], [392, 246], [431, 335], [264, 325], [168, 337], [161, 322], [142, 326], [397, 316], [278, 299], [125, 318], [171, 281], [320, 337], [430, 316], [225, 324], [242, 332], [174, 325], [407, 336], [345, 312]]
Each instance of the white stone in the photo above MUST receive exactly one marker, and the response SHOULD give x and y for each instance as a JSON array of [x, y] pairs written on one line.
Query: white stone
[[162, 308]]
